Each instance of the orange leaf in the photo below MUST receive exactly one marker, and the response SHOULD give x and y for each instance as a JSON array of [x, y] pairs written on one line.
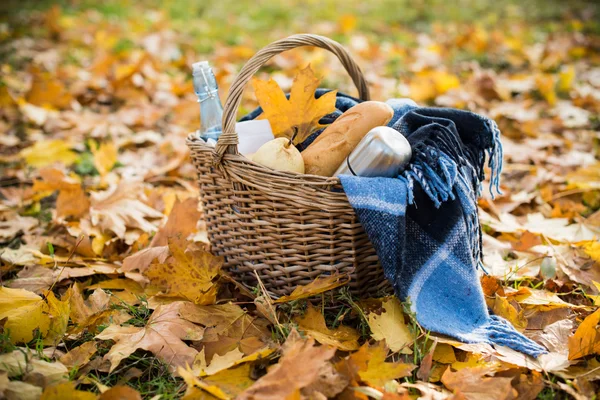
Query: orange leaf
[[301, 112], [586, 339], [46, 91], [71, 200]]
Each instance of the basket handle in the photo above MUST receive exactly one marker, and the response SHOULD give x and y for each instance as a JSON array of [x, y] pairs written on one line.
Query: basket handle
[[228, 140]]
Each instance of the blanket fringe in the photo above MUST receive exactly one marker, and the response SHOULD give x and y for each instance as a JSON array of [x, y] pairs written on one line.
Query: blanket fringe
[[498, 331]]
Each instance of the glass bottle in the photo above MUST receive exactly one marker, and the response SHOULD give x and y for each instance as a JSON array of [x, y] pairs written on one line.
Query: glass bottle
[[211, 109]]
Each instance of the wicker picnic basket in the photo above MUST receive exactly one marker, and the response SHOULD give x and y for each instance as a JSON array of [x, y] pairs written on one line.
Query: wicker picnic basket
[[289, 228]]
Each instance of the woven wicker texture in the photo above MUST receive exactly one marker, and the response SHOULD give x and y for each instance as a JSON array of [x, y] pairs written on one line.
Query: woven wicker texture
[[288, 227]]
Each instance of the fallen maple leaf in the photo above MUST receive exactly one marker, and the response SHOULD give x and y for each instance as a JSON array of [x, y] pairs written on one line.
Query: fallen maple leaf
[[586, 339], [313, 323], [473, 384], [225, 385], [46, 152], [47, 91], [301, 114], [15, 225], [503, 308], [121, 207], [182, 222], [187, 274], [26, 312], [88, 314], [105, 156], [141, 260], [120, 392], [369, 363], [79, 356], [317, 286], [390, 326], [298, 367], [26, 364], [66, 391], [163, 335], [71, 200]]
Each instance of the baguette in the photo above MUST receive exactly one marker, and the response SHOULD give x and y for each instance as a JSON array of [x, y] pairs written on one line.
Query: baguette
[[336, 142]]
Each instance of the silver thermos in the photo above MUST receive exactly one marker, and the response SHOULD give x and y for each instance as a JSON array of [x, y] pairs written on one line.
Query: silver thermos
[[382, 152]]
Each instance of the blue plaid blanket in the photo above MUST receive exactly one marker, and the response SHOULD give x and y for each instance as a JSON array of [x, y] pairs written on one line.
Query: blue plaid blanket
[[424, 224]]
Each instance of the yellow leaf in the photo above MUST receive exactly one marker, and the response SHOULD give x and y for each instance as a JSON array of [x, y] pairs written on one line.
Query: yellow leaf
[[26, 312], [317, 286], [586, 339], [596, 298], [546, 85], [444, 354], [59, 311], [347, 23], [428, 84], [219, 363], [66, 391], [313, 323], [372, 367], [390, 326], [566, 77], [187, 274], [504, 309], [105, 157], [301, 113], [46, 152], [71, 200], [224, 385], [592, 249]]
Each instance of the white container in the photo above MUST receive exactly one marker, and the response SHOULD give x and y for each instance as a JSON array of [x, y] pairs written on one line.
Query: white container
[[252, 135]]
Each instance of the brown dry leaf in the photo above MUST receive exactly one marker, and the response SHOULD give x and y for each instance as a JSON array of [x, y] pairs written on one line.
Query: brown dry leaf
[[317, 286], [390, 326], [121, 207], [586, 339], [91, 312], [189, 275], [342, 337], [66, 391], [79, 356], [182, 222], [141, 260], [301, 113], [473, 384], [16, 225], [120, 392], [369, 362], [298, 367], [47, 152], [163, 335]]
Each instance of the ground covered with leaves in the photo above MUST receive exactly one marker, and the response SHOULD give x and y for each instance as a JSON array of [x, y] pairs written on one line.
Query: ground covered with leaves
[[107, 288]]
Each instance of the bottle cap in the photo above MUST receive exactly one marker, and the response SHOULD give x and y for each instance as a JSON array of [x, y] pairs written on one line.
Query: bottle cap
[[199, 66]]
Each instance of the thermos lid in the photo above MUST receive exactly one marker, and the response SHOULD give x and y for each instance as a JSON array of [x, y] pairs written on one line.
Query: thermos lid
[[382, 152]]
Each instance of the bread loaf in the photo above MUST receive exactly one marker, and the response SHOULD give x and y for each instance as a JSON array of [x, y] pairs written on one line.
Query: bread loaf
[[337, 141]]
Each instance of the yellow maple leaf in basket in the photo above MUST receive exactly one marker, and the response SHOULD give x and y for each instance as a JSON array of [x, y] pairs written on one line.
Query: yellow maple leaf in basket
[[301, 113]]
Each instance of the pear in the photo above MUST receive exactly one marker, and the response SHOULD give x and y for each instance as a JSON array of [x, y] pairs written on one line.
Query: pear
[[281, 155]]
